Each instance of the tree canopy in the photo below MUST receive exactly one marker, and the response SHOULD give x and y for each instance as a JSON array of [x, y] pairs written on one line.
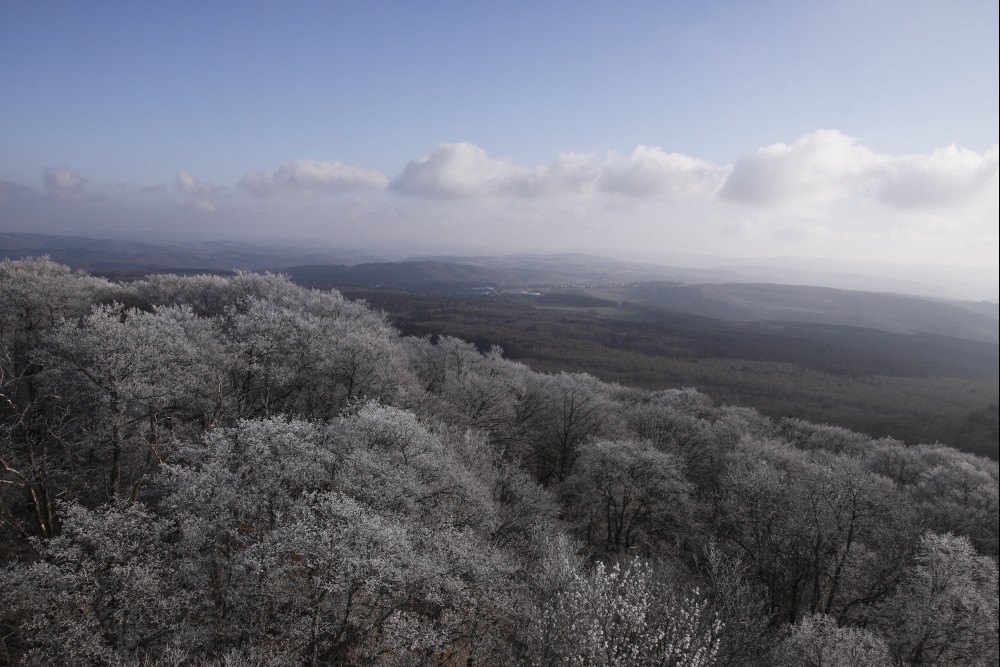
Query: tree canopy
[[240, 471]]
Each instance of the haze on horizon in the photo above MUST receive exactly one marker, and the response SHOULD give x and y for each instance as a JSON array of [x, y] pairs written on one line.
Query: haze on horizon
[[852, 131]]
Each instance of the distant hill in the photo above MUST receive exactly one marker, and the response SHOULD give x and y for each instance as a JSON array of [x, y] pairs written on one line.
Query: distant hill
[[111, 256], [572, 282], [424, 276], [579, 268], [714, 293]]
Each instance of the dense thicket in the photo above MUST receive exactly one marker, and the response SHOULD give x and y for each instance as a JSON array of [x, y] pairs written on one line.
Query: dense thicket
[[239, 471]]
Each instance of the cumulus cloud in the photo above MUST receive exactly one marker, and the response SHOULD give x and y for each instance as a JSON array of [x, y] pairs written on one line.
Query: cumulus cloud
[[456, 171], [828, 165], [652, 172], [824, 194], [63, 182], [185, 181], [308, 178], [817, 167], [571, 173], [819, 170], [463, 170], [949, 176]]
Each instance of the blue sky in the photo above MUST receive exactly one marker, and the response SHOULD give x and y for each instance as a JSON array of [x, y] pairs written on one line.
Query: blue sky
[[831, 128]]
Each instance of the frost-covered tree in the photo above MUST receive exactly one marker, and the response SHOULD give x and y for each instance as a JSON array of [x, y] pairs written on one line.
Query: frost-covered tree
[[35, 461], [365, 360], [945, 610], [236, 470], [273, 365], [809, 436], [687, 438], [960, 497], [207, 295], [339, 581], [741, 605], [627, 494], [576, 407], [392, 461], [106, 591], [822, 533], [479, 389], [340, 545], [817, 641], [522, 510], [35, 295], [896, 460], [622, 615], [290, 360], [129, 379]]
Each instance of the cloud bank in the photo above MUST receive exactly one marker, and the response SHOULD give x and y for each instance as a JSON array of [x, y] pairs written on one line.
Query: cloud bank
[[817, 169], [310, 178], [828, 166], [947, 177], [463, 170], [823, 194]]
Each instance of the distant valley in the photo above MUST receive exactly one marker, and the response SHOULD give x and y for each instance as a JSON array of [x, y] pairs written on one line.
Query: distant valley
[[612, 283]]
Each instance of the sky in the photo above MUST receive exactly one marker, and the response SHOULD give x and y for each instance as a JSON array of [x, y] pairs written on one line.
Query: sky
[[855, 130]]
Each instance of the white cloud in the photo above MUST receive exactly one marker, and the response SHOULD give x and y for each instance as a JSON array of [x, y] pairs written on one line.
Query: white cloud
[[947, 177], [308, 178], [571, 173], [828, 166], [454, 171], [463, 170], [652, 172], [824, 194], [63, 182], [818, 167], [185, 181]]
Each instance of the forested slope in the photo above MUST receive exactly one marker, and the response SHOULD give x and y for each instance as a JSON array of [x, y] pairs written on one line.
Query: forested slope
[[240, 471], [915, 388]]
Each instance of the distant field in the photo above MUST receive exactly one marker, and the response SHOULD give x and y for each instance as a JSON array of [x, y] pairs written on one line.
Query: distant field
[[918, 388]]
